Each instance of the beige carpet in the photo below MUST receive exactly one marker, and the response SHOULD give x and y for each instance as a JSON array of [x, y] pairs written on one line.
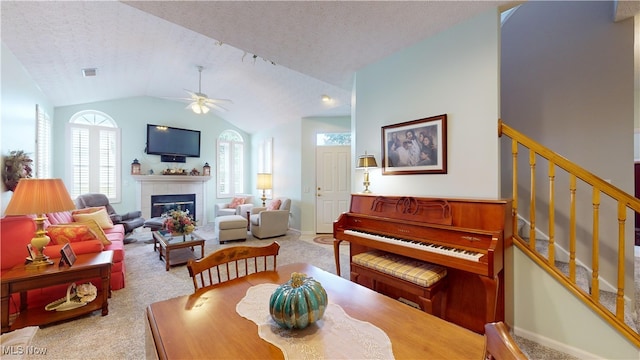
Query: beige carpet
[[121, 334]]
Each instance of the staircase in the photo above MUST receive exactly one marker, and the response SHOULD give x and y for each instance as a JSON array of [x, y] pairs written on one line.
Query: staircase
[[564, 257]]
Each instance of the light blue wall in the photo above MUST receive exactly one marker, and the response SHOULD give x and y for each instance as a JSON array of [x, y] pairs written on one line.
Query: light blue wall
[[20, 94], [132, 115], [456, 73], [286, 166], [312, 126], [294, 160]]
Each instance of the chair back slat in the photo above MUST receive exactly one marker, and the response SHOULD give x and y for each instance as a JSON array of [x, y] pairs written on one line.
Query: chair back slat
[[231, 263], [499, 344]]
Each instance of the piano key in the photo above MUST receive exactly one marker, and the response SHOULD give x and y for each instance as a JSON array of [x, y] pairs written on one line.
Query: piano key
[[425, 246]]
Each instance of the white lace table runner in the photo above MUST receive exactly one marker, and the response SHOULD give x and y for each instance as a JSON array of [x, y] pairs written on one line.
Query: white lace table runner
[[335, 336]]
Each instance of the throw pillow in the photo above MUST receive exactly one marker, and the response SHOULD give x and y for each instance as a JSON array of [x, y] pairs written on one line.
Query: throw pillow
[[235, 202], [100, 216], [68, 233], [97, 230], [274, 205], [88, 210]]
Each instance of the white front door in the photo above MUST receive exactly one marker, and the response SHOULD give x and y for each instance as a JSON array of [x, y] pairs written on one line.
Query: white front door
[[333, 185]]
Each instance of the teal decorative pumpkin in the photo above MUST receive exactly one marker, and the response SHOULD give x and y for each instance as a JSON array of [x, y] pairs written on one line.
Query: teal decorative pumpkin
[[298, 303]]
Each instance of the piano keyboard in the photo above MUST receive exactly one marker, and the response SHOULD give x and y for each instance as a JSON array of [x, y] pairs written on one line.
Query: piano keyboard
[[424, 246]]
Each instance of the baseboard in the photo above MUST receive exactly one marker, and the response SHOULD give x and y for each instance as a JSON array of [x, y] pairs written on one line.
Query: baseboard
[[553, 344]]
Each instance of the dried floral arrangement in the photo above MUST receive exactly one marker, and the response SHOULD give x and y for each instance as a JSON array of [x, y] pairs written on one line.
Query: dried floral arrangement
[[17, 165]]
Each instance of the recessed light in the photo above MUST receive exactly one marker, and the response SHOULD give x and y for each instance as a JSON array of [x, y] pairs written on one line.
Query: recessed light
[[89, 72], [326, 98]]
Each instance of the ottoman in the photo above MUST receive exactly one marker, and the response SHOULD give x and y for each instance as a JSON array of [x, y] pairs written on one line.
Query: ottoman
[[230, 228], [154, 224]]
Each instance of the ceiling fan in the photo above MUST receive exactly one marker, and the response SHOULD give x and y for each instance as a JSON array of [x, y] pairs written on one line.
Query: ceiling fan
[[201, 103]]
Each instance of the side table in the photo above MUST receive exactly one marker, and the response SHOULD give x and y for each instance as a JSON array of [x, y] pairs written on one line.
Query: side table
[[19, 279]]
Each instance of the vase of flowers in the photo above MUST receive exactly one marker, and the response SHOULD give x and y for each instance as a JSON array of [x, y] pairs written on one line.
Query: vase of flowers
[[178, 222]]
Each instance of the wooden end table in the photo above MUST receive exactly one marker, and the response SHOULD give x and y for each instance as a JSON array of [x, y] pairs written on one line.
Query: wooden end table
[[177, 250], [19, 279]]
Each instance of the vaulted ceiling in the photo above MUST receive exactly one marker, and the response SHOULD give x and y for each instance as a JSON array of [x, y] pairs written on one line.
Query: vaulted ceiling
[[274, 59]]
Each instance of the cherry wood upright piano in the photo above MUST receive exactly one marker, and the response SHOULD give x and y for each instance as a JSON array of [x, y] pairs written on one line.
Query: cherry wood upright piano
[[467, 236]]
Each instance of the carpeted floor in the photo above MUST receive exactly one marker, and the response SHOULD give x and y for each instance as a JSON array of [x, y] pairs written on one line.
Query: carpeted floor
[[121, 334]]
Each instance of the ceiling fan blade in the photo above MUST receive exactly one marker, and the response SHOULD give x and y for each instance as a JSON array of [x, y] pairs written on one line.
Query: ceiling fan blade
[[217, 101], [218, 107]]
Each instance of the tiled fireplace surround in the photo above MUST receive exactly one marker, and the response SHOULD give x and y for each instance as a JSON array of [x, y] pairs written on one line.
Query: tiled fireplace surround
[[148, 185]]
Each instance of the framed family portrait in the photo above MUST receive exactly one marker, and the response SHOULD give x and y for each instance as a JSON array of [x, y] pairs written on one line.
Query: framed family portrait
[[415, 147]]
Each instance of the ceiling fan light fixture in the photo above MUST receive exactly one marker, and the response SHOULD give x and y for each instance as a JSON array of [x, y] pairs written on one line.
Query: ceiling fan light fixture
[[199, 108]]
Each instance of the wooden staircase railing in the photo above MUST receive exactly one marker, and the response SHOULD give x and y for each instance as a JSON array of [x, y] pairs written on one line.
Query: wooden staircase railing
[[624, 201]]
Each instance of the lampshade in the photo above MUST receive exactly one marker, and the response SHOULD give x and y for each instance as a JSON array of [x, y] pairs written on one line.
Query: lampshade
[[367, 161], [39, 196], [264, 181]]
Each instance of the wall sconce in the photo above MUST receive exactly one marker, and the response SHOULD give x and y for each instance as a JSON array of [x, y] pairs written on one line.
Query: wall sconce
[[264, 183], [206, 169], [366, 161], [135, 167]]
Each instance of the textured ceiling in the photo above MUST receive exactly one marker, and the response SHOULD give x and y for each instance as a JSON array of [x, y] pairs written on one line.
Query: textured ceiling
[[151, 48]]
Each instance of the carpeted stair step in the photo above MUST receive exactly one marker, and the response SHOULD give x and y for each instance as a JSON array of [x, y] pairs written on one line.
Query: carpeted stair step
[[583, 280]]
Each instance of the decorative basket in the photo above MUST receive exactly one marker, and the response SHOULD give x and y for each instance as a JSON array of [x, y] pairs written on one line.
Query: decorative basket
[[73, 300]]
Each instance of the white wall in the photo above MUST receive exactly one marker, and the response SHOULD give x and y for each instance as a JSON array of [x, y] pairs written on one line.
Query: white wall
[[454, 72], [132, 115], [20, 94]]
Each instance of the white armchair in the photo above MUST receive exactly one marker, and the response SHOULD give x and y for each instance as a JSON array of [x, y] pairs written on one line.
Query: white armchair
[[270, 223], [222, 209]]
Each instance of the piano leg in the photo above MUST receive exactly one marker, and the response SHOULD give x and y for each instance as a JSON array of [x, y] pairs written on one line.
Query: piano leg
[[491, 286], [336, 254]]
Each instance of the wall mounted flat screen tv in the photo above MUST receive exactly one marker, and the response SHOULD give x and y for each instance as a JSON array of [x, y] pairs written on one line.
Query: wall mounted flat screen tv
[[166, 140]]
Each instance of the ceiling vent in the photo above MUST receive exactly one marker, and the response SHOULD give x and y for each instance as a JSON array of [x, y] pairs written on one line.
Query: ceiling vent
[[89, 72]]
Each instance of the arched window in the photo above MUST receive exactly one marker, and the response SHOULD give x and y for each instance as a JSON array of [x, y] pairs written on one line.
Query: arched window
[[94, 150], [230, 164]]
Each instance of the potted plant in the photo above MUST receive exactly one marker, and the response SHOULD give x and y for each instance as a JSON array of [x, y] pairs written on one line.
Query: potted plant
[[17, 165]]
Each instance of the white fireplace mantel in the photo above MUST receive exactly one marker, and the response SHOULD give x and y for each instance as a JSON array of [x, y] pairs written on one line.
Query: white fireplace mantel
[[170, 178], [148, 185]]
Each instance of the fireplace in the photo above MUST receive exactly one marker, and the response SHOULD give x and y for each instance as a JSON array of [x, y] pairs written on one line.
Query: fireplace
[[156, 185], [161, 204]]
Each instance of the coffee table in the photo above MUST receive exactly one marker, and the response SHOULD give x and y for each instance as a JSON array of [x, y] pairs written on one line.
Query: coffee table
[[20, 279], [177, 249]]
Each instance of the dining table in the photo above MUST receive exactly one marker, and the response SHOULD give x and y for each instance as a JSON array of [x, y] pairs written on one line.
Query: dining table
[[207, 324]]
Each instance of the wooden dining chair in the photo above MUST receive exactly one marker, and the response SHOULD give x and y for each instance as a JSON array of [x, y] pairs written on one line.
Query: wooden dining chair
[[231, 263], [498, 343]]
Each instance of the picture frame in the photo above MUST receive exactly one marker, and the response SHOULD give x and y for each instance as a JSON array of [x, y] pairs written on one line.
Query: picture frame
[[68, 256], [31, 252], [415, 147]]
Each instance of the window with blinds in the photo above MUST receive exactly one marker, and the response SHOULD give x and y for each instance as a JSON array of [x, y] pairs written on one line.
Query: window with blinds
[[95, 153], [230, 175], [43, 144]]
